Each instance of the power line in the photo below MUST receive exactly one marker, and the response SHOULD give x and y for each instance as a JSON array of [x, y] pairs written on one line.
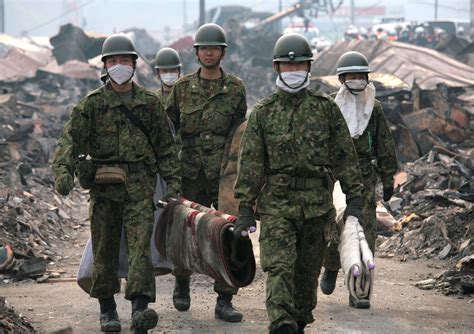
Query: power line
[[59, 17]]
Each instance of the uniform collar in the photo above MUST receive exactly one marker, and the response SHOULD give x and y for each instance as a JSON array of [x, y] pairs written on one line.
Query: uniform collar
[[113, 100], [196, 87], [292, 96]]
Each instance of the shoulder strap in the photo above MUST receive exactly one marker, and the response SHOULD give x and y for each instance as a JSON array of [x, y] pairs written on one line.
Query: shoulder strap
[[137, 122]]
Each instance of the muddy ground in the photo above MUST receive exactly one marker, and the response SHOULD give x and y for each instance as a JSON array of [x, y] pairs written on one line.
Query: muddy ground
[[397, 306]]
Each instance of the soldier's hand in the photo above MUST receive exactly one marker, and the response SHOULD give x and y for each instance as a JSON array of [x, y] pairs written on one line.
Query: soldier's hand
[[387, 193], [354, 208], [245, 221], [64, 183]]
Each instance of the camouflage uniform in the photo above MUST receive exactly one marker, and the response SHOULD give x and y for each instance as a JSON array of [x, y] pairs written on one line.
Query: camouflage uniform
[[163, 98], [98, 128], [376, 152], [203, 113], [292, 145]]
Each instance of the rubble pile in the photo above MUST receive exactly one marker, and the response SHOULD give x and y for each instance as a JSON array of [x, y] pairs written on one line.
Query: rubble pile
[[33, 219], [435, 215], [11, 321]]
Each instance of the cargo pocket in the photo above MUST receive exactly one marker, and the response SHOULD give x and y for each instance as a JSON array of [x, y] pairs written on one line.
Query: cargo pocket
[[279, 151], [190, 120], [318, 148]]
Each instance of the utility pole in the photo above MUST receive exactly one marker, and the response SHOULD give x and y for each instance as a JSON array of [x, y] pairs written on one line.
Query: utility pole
[[185, 15], [471, 33], [2, 16], [280, 5], [436, 10], [202, 12], [353, 12]]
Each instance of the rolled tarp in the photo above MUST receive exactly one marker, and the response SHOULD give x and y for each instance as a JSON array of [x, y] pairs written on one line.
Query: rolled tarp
[[357, 260]]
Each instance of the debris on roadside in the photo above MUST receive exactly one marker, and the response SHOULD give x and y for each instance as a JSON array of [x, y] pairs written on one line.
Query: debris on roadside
[[11, 322]]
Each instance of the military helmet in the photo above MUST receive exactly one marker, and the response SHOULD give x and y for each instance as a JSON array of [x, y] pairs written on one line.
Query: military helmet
[[118, 44], [352, 62], [167, 58], [292, 47], [210, 34]]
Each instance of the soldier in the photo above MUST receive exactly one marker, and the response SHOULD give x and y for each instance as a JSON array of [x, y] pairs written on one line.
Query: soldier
[[296, 140], [168, 68], [125, 132], [204, 107], [375, 150]]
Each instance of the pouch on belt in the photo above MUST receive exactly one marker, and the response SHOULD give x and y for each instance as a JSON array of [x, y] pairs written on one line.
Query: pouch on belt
[[110, 175]]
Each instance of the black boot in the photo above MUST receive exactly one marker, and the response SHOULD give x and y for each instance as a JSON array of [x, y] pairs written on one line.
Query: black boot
[[224, 309], [328, 282], [109, 320], [143, 318], [181, 298], [359, 303], [301, 326], [284, 329]]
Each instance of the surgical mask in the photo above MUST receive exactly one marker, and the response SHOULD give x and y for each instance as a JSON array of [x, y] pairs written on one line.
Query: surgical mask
[[169, 78], [120, 74], [293, 81], [356, 86]]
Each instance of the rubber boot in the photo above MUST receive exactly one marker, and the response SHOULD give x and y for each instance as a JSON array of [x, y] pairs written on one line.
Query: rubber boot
[[181, 298], [224, 309], [284, 329], [143, 318], [359, 303], [301, 326], [109, 320]]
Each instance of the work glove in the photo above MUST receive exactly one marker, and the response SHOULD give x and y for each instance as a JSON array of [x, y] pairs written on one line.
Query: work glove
[[64, 183], [245, 221], [86, 170], [387, 193], [354, 208]]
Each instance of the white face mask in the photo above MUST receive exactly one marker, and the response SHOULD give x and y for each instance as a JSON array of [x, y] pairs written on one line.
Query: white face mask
[[120, 74], [169, 78], [294, 80], [356, 86]]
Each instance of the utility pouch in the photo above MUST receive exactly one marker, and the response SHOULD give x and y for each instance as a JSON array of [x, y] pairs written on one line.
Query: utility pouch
[[110, 175]]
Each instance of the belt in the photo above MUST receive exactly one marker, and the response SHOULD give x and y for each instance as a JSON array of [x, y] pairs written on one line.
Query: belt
[[129, 167], [297, 182], [202, 139]]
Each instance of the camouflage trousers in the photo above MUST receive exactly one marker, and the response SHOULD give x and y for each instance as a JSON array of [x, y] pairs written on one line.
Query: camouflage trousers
[[291, 253], [332, 259], [204, 192], [107, 218]]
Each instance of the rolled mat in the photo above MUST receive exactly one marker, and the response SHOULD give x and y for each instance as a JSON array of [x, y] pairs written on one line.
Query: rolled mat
[[201, 240], [357, 260]]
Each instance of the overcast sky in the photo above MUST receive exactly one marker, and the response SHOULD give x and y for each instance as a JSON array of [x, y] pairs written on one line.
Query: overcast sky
[[43, 17]]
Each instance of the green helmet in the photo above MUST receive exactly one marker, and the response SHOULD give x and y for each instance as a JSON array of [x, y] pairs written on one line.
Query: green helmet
[[118, 44], [210, 34], [292, 47], [352, 62], [167, 58]]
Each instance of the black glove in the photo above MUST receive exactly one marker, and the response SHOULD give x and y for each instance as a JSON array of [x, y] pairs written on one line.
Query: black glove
[[245, 221], [387, 193], [85, 170], [354, 208], [64, 184], [170, 194]]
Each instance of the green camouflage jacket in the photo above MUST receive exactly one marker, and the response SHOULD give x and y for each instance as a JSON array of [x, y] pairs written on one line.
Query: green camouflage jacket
[[203, 121], [300, 135], [97, 127], [376, 149]]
